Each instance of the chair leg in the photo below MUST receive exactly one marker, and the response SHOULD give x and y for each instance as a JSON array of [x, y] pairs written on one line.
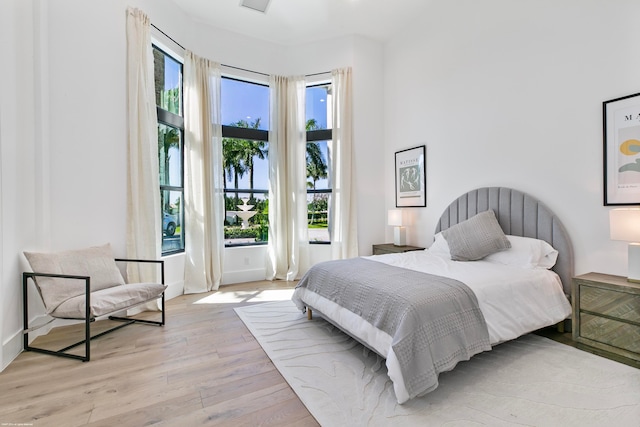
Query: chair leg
[[148, 322]]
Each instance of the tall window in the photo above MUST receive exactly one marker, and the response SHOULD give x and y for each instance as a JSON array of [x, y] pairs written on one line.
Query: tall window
[[245, 118], [245, 144], [168, 84], [319, 124]]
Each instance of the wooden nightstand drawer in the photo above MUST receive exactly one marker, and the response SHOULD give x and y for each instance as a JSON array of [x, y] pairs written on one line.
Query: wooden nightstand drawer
[[616, 304], [610, 332]]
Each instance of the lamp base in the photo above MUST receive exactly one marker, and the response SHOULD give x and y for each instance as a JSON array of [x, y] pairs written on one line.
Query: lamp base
[[400, 236], [633, 263]]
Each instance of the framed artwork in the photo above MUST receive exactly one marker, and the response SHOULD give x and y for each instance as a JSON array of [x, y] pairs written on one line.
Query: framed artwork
[[411, 178], [621, 137]]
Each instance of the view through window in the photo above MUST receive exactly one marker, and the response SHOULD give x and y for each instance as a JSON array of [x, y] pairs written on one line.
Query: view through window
[[245, 131], [245, 146], [168, 88], [318, 124]]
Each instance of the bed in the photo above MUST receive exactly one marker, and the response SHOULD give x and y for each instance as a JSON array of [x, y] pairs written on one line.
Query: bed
[[425, 311]]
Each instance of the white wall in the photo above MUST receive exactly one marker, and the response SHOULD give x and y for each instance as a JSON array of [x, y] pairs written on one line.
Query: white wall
[[19, 162], [510, 93], [63, 130]]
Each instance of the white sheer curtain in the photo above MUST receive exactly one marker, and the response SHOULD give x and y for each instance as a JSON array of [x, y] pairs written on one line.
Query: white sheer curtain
[[343, 226], [288, 235], [204, 198], [144, 225]]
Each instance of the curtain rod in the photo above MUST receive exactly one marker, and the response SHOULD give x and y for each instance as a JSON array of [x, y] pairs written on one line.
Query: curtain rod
[[168, 36], [244, 69], [231, 66]]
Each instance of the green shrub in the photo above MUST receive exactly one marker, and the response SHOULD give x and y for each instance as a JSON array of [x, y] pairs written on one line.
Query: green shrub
[[239, 233]]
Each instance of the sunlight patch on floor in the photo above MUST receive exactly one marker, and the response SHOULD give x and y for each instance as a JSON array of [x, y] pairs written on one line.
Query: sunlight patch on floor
[[234, 297]]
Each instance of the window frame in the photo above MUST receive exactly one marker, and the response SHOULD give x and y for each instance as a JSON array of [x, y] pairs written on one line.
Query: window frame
[[250, 134], [173, 120], [319, 135]]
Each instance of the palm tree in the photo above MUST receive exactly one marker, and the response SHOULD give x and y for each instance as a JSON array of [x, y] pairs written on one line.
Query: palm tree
[[239, 154], [316, 164], [232, 160], [251, 149], [312, 124]]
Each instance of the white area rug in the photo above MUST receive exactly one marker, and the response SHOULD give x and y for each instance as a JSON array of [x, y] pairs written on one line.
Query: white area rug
[[532, 381]]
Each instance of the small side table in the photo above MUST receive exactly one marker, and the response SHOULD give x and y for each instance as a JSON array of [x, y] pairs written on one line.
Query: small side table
[[606, 313], [390, 248]]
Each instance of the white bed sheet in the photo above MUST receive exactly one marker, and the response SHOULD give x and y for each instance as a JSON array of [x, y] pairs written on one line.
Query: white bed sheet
[[513, 300]]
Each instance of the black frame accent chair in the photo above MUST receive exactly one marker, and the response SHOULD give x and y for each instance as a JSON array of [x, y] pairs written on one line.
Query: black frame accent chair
[[86, 285]]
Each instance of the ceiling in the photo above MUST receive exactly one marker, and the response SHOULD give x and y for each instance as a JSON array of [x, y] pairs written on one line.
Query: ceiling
[[294, 22]]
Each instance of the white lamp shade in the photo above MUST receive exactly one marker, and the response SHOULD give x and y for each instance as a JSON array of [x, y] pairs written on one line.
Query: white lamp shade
[[394, 217], [625, 224]]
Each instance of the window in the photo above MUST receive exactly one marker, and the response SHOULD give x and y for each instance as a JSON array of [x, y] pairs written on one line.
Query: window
[[245, 146], [318, 123], [168, 84], [245, 143]]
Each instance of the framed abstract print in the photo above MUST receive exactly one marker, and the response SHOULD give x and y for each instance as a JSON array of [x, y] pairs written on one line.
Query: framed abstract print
[[411, 177], [621, 140]]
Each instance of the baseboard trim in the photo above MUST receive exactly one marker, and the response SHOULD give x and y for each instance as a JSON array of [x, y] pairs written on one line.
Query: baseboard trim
[[11, 349], [243, 276]]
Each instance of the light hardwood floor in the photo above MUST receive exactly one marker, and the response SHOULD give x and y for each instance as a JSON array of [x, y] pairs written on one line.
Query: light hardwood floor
[[202, 368]]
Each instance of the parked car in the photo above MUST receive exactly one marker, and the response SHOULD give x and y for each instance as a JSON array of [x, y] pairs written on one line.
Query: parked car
[[169, 224]]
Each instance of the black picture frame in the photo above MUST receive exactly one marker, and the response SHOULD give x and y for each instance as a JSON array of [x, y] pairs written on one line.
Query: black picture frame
[[621, 150], [411, 177]]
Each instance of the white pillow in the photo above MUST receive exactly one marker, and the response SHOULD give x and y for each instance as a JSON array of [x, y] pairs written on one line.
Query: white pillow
[[440, 246], [526, 252]]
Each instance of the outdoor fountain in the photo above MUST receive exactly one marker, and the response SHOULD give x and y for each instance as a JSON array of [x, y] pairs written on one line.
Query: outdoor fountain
[[245, 212]]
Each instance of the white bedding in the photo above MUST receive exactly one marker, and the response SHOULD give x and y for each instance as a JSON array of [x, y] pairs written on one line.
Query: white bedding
[[513, 300]]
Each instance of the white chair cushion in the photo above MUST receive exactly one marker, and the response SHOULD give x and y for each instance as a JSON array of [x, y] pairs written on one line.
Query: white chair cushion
[[96, 262], [109, 300]]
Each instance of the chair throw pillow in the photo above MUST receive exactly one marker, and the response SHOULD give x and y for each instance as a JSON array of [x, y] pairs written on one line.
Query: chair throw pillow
[[475, 238], [109, 300], [96, 262]]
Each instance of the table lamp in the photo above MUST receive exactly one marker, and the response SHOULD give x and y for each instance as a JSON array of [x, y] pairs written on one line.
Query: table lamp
[[394, 218], [625, 225]]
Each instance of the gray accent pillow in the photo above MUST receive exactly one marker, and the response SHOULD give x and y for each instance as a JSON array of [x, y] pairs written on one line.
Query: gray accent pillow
[[96, 262], [475, 238]]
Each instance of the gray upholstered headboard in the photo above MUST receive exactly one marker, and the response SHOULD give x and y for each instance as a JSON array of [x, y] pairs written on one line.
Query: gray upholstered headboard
[[519, 214]]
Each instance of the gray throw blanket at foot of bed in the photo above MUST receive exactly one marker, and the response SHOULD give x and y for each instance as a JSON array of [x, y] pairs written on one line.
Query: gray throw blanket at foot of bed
[[434, 321]]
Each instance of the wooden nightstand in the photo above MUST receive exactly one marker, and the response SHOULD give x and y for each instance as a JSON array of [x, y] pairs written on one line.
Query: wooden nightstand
[[390, 248], [606, 313]]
